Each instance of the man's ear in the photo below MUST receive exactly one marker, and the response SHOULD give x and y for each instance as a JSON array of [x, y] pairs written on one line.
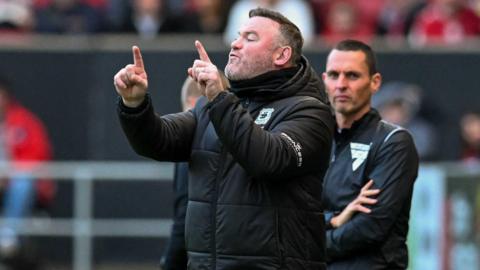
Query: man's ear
[[282, 55], [376, 82]]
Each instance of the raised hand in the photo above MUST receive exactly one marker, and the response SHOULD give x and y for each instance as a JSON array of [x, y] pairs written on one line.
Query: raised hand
[[131, 81], [357, 205], [206, 74]]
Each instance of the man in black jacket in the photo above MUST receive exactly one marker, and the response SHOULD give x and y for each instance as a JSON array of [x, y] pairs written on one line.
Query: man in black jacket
[[368, 186], [257, 152]]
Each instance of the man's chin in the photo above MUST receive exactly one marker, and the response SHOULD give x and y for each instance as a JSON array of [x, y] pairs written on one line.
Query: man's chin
[[342, 109], [232, 75]]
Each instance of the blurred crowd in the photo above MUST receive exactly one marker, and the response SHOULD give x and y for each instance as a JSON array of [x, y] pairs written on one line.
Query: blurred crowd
[[418, 22]]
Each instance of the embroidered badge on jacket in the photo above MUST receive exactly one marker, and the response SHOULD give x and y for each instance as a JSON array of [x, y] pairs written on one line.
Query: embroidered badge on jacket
[[359, 154], [264, 115]]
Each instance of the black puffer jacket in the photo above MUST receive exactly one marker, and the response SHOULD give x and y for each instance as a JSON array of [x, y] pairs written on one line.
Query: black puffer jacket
[[257, 158]]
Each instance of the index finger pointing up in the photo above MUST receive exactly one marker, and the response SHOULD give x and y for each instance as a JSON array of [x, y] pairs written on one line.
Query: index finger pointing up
[[137, 57], [201, 52]]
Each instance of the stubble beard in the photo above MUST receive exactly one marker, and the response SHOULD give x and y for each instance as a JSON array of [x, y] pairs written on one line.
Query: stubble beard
[[351, 109], [249, 69]]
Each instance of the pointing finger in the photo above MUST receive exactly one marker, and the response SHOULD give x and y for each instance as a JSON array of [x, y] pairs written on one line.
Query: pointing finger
[[137, 57], [202, 52]]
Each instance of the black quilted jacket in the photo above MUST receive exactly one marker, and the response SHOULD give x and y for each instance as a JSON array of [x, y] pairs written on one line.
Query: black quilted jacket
[[257, 156]]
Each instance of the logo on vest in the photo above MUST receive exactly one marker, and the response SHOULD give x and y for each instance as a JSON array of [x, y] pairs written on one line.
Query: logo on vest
[[264, 115], [359, 154]]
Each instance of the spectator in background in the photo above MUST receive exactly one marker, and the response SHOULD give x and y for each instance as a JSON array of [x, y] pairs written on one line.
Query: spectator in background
[[396, 18], [68, 17], [400, 103], [149, 18], [15, 16], [116, 14], [470, 132], [343, 21], [298, 11], [175, 254], [208, 16], [366, 12], [444, 23], [177, 6], [475, 5], [22, 139], [97, 4], [100, 4]]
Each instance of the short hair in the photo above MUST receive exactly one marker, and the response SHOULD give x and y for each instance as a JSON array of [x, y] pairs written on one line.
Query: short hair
[[290, 33], [355, 45], [190, 88]]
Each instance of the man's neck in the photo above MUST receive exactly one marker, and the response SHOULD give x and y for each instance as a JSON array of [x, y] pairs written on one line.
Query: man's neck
[[345, 121]]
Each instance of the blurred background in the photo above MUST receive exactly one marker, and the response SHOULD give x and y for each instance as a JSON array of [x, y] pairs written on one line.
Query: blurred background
[[100, 206]]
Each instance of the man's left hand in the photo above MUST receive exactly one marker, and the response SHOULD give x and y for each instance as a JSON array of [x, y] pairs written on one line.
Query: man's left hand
[[357, 205], [206, 74]]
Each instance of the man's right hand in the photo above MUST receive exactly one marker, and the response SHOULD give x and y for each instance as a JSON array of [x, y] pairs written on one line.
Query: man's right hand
[[131, 81]]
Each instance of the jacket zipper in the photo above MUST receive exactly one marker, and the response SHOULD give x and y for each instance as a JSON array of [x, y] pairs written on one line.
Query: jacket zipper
[[246, 102]]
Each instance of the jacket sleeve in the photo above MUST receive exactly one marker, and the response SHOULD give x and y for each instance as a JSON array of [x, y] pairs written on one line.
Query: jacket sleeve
[[163, 138], [296, 145], [394, 172]]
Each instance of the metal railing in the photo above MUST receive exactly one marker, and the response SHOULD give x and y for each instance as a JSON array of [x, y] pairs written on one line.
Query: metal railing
[[82, 227]]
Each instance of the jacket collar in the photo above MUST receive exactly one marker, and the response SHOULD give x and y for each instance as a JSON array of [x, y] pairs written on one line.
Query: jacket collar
[[278, 84], [362, 123]]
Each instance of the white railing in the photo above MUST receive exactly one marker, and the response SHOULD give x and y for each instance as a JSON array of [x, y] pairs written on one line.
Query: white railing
[[82, 226]]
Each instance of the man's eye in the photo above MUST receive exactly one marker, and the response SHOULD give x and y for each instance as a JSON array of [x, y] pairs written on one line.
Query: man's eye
[[332, 75], [352, 76]]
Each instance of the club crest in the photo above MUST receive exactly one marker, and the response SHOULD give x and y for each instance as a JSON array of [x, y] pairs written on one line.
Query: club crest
[[359, 154], [264, 115]]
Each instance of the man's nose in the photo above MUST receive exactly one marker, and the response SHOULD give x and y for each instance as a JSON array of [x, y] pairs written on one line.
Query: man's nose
[[341, 82], [236, 43]]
